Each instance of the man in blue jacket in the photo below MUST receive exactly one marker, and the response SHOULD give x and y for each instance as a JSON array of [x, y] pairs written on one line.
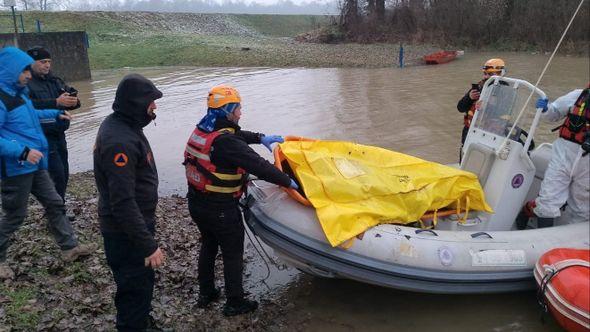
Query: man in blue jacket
[[23, 162]]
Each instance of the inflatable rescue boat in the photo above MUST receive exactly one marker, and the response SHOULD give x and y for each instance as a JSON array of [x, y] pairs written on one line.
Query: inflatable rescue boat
[[438, 244]]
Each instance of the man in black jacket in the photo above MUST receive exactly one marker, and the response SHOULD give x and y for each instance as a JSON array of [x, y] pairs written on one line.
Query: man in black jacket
[[217, 160], [50, 92], [468, 103], [127, 182]]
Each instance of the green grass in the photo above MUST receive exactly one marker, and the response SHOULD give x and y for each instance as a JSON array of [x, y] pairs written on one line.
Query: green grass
[[116, 42], [26, 320], [105, 25], [79, 272]]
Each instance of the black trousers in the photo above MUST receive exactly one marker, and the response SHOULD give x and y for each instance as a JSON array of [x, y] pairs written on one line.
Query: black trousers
[[220, 228], [59, 169], [135, 282], [463, 138]]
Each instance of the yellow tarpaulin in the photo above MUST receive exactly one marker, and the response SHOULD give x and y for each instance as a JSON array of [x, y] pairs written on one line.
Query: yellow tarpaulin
[[354, 187]]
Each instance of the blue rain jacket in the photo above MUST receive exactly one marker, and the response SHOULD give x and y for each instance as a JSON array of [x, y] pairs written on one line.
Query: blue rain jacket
[[19, 120]]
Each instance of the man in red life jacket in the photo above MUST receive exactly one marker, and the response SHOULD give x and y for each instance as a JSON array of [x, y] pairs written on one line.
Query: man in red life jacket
[[467, 104], [566, 178], [217, 161]]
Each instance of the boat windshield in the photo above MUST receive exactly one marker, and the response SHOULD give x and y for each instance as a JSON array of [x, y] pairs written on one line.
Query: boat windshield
[[497, 112]]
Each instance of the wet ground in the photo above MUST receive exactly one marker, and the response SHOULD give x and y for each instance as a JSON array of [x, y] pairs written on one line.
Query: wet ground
[[411, 110], [49, 295]]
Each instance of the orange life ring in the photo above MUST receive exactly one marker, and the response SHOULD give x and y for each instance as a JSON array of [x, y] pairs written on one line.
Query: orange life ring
[[563, 276]]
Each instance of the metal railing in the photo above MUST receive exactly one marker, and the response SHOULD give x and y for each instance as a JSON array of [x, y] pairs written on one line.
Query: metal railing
[[7, 23]]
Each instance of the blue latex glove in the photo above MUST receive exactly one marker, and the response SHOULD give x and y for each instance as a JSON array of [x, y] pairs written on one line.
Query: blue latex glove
[[268, 140], [542, 103], [293, 185]]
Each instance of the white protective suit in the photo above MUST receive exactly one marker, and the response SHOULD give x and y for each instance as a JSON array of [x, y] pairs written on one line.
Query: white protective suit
[[566, 178]]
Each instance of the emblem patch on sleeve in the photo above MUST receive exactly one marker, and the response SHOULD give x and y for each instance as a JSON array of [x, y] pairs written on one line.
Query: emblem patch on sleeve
[[120, 159]]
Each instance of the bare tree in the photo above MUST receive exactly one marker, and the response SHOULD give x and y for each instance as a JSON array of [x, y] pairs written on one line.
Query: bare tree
[[469, 22]]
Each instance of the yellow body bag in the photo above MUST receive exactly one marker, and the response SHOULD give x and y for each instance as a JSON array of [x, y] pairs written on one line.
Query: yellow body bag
[[354, 187]]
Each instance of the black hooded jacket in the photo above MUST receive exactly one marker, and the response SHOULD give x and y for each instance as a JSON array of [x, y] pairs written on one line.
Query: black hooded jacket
[[124, 167]]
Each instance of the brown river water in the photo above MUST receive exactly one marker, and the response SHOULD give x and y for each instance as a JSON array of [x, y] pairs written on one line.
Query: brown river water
[[410, 110]]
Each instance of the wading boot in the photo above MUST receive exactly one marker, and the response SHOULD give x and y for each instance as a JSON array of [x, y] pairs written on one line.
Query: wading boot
[[81, 250], [6, 272], [207, 297], [239, 306], [544, 222]]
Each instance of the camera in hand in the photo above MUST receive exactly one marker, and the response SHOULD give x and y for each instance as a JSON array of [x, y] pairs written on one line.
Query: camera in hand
[[475, 86], [71, 91]]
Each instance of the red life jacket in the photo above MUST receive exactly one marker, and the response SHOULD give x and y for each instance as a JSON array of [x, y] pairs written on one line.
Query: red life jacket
[[202, 174], [469, 115], [577, 122]]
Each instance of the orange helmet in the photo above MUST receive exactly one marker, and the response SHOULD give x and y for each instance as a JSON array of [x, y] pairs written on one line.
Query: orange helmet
[[494, 67], [221, 95]]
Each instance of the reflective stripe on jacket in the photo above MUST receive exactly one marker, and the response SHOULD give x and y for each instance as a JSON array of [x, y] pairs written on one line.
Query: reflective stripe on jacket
[[202, 174]]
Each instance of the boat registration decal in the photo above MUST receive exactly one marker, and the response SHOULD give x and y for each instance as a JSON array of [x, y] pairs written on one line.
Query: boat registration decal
[[498, 257]]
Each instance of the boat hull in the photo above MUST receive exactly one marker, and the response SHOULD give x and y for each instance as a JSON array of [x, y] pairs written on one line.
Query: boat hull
[[400, 257], [440, 57]]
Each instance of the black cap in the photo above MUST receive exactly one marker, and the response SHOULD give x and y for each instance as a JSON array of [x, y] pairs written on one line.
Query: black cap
[[39, 53]]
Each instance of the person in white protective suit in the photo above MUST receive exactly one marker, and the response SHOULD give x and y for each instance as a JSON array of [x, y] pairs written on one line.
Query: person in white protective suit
[[566, 178]]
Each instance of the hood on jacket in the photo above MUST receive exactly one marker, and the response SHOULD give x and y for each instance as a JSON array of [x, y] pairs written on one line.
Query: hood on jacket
[[134, 94], [12, 63]]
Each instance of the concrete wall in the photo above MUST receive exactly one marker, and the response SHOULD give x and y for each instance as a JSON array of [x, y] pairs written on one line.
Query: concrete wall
[[68, 51]]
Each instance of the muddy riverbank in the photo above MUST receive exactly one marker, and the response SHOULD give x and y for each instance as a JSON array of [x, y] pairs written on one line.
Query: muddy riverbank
[[49, 295]]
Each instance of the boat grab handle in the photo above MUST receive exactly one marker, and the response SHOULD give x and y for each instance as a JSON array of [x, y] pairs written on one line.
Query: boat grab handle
[[418, 231], [478, 234]]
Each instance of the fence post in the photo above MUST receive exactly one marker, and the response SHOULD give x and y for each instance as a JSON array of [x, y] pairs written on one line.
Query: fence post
[[401, 55], [15, 26], [38, 23], [22, 23]]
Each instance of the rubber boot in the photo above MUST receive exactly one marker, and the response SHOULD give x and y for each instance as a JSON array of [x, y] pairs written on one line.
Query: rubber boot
[[235, 307], [207, 297], [544, 222]]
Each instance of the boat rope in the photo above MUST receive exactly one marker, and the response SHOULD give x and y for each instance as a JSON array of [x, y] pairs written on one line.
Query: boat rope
[[259, 254], [551, 271], [503, 145]]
